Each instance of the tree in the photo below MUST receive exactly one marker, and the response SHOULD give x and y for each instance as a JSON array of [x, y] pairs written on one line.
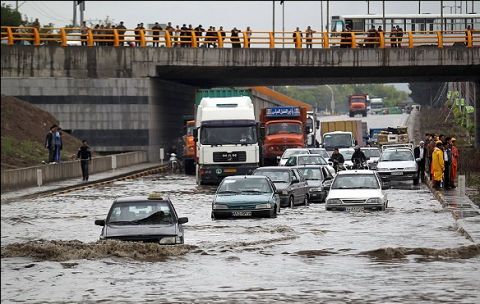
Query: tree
[[9, 16], [423, 93]]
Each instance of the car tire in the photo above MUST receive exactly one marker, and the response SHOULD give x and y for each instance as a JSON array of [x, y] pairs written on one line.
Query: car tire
[[328, 209], [291, 202], [273, 213], [306, 200], [383, 208], [415, 181]]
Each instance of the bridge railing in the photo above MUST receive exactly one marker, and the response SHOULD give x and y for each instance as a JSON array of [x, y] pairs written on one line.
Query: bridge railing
[[256, 39]]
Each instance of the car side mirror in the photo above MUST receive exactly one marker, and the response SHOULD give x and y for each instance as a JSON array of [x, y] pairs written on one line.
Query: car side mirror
[[295, 181], [182, 220], [100, 222], [195, 134]]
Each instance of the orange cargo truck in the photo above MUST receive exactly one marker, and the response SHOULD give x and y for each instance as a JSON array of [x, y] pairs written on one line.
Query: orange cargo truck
[[189, 147], [283, 128], [358, 104]]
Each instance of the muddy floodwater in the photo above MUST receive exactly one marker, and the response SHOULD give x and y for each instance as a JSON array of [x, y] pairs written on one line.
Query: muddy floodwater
[[411, 253]]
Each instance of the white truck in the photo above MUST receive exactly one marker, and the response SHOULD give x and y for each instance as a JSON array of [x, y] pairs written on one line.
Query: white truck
[[226, 137]]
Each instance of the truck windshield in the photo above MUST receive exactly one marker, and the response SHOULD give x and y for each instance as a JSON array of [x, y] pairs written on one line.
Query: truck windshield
[[228, 135], [332, 141], [283, 128]]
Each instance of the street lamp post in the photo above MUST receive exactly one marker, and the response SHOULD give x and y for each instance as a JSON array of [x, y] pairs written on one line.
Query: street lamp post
[[332, 101]]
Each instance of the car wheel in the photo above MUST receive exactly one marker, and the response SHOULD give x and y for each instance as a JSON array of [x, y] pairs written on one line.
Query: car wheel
[[273, 213], [291, 202], [306, 200], [415, 181]]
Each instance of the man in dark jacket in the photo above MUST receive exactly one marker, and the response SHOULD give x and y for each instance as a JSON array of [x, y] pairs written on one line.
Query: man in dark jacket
[[85, 156], [420, 154], [337, 159], [50, 143], [358, 157]]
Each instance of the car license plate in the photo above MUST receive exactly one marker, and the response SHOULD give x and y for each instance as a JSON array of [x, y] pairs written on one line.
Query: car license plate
[[242, 213], [359, 208], [230, 170], [397, 173]]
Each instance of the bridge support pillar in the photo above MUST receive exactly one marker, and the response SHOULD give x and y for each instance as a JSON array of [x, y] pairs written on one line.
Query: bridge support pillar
[[477, 114], [168, 103]]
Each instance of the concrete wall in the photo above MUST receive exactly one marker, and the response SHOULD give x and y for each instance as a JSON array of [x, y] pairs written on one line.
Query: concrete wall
[[28, 177], [112, 114]]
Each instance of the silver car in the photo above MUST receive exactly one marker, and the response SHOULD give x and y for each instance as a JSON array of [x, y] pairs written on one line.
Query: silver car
[[290, 185], [319, 180]]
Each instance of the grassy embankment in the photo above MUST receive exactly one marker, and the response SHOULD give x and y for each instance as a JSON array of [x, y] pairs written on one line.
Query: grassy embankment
[[24, 127]]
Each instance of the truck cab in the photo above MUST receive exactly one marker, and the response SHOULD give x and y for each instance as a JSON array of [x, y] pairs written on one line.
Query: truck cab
[[283, 128], [226, 138], [338, 139], [358, 104]]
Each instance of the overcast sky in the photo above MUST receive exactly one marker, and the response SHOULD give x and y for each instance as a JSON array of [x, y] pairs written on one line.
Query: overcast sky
[[256, 14]]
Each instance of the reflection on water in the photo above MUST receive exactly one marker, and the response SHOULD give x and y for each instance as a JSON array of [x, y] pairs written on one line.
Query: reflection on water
[[410, 253]]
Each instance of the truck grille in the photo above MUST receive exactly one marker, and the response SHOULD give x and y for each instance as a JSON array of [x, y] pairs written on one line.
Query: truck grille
[[235, 156]]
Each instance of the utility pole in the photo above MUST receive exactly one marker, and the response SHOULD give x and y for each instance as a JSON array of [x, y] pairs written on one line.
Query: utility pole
[[82, 10], [368, 7], [383, 16], [74, 20], [321, 13], [328, 16], [273, 17], [283, 23], [419, 6]]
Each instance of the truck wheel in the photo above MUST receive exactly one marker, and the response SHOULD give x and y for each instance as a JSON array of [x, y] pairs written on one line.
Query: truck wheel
[[351, 114], [364, 114], [306, 200]]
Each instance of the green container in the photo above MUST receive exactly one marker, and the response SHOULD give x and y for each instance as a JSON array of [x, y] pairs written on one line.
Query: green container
[[221, 92]]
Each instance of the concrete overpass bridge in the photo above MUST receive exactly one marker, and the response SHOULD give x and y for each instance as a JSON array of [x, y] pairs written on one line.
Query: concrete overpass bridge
[[152, 88]]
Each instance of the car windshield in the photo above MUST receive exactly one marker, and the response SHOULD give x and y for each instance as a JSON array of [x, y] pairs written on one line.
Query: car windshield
[[290, 152], [337, 140], [355, 181], [275, 176], [283, 128], [246, 185], [321, 152], [396, 155], [311, 173], [347, 154], [141, 213], [228, 135], [371, 152], [311, 160]]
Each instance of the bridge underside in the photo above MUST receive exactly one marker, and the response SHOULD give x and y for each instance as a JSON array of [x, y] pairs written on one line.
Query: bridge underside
[[251, 76]]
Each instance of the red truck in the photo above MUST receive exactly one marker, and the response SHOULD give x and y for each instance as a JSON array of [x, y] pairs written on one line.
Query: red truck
[[358, 104], [189, 147], [283, 128]]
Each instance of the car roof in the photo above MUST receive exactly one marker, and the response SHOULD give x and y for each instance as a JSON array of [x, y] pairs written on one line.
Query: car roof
[[245, 177], [309, 166], [307, 155], [317, 149], [369, 148], [138, 199], [278, 168], [397, 149], [356, 172], [346, 149]]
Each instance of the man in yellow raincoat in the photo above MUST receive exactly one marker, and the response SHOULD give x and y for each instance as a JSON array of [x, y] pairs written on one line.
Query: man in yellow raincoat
[[438, 164]]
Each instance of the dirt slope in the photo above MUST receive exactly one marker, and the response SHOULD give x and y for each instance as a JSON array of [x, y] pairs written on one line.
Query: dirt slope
[[24, 127]]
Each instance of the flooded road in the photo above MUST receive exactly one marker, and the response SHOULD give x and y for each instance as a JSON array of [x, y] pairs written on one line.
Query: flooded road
[[410, 253]]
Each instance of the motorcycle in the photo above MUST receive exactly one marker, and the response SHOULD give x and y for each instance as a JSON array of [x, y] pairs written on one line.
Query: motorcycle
[[359, 165], [174, 163], [337, 166]]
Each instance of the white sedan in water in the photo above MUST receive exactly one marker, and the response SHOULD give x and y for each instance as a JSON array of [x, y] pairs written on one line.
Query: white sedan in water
[[355, 190]]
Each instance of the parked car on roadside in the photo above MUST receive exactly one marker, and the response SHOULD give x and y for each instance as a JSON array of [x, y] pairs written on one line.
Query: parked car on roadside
[[356, 190], [319, 180], [290, 185], [397, 165], [242, 196], [289, 152], [305, 159], [146, 219]]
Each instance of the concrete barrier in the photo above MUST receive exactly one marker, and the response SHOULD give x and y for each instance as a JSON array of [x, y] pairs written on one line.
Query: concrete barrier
[[39, 175]]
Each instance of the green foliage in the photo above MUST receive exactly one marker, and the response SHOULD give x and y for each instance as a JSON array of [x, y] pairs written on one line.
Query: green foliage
[[10, 17], [423, 93], [320, 96], [26, 150]]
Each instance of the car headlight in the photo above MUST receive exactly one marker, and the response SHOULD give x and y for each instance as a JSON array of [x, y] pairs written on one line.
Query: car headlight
[[334, 201], [263, 206], [375, 200], [315, 189], [411, 169], [284, 192], [168, 240], [219, 206]]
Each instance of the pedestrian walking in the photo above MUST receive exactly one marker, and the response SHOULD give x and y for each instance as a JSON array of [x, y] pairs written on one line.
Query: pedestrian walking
[[438, 164], [309, 35], [58, 144], [420, 156], [50, 143], [85, 157], [454, 165]]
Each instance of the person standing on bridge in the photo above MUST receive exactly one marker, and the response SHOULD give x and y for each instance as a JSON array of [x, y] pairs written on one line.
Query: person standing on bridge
[[309, 35], [393, 37], [399, 36], [156, 28], [297, 33], [234, 38], [85, 157], [121, 33]]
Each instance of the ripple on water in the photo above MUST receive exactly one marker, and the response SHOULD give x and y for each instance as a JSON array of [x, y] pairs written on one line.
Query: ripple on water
[[389, 253]]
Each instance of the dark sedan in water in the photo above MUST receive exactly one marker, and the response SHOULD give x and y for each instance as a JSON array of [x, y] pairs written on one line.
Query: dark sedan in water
[[143, 219], [319, 180]]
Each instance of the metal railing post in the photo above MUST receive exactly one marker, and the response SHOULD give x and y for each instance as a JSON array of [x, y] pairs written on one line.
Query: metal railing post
[[116, 38], [246, 42], [271, 35], [353, 37], [63, 37], [439, 39], [36, 37], [410, 39], [194, 43], [326, 42], [10, 36], [142, 38], [469, 39], [220, 39], [168, 39], [382, 40], [298, 41], [90, 37]]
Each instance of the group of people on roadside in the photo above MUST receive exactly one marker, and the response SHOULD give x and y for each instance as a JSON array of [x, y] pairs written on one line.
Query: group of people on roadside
[[438, 157], [54, 144]]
